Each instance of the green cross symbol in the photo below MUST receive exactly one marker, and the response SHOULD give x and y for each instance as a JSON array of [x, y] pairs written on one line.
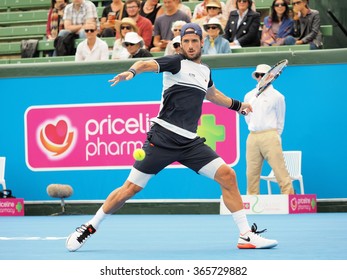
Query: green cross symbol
[[211, 131], [19, 207]]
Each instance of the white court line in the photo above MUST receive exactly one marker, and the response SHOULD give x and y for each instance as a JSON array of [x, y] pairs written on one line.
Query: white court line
[[32, 238]]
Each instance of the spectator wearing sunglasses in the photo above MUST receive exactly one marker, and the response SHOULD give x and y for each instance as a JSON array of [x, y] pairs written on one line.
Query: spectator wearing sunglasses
[[176, 45], [306, 26], [133, 42], [242, 28], [92, 48], [230, 5], [176, 30], [214, 42], [278, 25], [265, 124], [213, 10], [201, 11], [123, 27]]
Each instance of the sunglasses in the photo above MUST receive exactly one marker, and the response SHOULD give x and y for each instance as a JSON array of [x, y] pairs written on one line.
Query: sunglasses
[[176, 45], [127, 27], [129, 44], [211, 27], [89, 30], [177, 30], [258, 75], [280, 5], [212, 8], [242, 1], [297, 3]]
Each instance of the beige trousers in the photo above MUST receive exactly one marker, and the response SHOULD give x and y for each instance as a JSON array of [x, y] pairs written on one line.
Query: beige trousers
[[266, 145]]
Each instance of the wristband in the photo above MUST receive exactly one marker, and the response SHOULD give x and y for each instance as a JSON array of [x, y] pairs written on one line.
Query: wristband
[[235, 105], [133, 71]]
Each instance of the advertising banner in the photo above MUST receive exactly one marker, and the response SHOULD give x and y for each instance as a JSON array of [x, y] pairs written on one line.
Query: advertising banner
[[276, 204], [11, 207]]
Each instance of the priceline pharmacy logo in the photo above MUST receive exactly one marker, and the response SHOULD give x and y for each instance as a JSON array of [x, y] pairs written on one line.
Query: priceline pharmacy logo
[[104, 136], [57, 137]]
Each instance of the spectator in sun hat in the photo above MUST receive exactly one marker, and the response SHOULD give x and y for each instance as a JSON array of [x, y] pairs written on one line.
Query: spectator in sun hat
[[134, 44], [213, 10], [123, 27], [201, 11], [214, 42]]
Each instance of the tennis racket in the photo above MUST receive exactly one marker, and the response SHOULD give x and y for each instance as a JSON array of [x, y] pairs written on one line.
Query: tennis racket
[[268, 78]]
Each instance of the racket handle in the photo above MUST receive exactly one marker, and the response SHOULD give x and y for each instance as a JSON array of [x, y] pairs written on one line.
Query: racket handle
[[245, 112]]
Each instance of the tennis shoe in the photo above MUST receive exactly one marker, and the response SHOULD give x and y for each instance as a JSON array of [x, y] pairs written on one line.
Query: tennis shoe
[[253, 240], [79, 237]]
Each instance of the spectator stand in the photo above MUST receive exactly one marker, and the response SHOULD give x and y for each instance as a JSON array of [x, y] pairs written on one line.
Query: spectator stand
[[26, 19]]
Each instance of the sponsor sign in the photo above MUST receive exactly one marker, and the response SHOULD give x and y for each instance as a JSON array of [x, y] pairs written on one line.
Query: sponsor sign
[[305, 203], [104, 136], [11, 207], [276, 204]]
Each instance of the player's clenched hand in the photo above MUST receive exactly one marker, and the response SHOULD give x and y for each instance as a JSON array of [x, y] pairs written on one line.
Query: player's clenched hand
[[246, 107], [124, 76]]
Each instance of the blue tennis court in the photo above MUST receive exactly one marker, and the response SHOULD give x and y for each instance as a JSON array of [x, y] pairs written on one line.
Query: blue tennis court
[[320, 236]]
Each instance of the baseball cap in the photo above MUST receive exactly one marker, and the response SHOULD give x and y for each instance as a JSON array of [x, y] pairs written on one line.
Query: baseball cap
[[133, 38], [196, 29]]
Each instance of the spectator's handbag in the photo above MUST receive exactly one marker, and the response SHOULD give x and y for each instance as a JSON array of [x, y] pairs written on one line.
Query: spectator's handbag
[[65, 45], [29, 48]]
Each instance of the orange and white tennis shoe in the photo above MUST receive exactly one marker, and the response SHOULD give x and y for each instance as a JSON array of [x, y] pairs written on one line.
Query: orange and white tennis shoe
[[253, 240]]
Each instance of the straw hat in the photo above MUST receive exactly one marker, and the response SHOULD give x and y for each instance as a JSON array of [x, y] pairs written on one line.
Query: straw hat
[[214, 3], [126, 21], [133, 38], [214, 21]]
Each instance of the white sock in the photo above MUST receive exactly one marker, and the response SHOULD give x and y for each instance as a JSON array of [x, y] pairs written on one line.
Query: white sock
[[98, 218], [241, 221]]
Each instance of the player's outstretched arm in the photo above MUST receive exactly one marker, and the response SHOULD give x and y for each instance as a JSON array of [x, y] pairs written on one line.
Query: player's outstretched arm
[[137, 68], [219, 98]]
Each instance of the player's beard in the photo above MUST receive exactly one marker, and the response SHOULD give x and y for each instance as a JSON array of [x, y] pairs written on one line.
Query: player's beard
[[195, 57]]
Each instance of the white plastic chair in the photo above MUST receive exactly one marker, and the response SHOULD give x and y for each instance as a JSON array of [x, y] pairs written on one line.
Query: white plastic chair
[[293, 163], [2, 172]]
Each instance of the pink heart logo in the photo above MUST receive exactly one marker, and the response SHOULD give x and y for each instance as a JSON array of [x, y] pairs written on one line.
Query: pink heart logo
[[56, 133]]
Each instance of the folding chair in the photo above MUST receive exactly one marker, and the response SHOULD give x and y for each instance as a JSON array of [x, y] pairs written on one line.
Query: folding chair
[[293, 163]]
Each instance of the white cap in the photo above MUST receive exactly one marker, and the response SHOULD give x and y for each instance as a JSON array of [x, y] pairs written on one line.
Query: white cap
[[261, 68], [177, 39], [133, 38]]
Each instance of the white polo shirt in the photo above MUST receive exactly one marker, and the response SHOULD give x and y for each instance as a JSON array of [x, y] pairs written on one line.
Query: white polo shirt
[[99, 52]]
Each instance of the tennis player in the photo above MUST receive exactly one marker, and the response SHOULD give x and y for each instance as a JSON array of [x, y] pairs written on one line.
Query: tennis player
[[186, 83]]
